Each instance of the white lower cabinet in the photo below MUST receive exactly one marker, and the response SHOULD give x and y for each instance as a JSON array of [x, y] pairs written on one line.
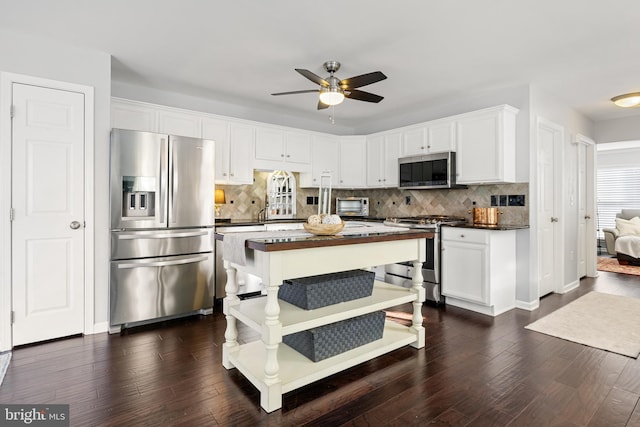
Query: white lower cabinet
[[479, 269]]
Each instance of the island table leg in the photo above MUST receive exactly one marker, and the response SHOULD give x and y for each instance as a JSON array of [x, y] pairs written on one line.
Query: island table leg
[[231, 299], [418, 288], [271, 390]]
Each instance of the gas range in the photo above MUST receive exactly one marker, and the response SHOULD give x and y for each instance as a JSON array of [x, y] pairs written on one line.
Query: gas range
[[431, 222], [402, 273]]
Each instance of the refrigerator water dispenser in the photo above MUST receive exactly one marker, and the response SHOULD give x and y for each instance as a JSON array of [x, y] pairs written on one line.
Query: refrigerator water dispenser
[[138, 196]]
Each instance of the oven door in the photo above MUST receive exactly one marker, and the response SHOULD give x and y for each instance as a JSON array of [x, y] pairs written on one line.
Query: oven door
[[430, 267], [432, 290]]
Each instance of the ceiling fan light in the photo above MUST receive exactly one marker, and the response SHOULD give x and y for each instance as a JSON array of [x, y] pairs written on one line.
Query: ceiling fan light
[[331, 96], [627, 100]]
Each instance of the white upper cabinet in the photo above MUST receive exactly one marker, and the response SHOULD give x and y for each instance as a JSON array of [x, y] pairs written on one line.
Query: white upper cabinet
[[269, 144], [414, 141], [353, 154], [278, 149], [179, 123], [383, 151], [144, 117], [441, 136], [233, 159], [486, 142], [437, 136], [297, 147], [324, 159], [241, 141], [133, 116], [218, 131]]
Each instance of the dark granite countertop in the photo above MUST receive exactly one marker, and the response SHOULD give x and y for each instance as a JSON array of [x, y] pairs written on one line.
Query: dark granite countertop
[[498, 227], [226, 222], [285, 242]]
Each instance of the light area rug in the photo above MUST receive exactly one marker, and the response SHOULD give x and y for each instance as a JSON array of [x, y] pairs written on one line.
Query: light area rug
[[5, 358], [604, 321]]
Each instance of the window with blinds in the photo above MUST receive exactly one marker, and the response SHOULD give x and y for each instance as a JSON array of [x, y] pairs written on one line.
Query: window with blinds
[[617, 189]]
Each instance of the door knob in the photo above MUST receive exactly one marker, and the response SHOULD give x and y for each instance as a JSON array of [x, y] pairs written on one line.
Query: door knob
[[554, 219], [74, 225], [587, 217]]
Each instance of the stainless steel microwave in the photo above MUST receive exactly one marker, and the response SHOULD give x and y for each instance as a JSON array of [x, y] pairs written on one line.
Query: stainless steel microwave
[[352, 206], [428, 171]]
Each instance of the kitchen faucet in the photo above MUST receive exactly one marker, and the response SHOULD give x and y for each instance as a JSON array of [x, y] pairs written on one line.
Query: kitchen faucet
[[262, 214]]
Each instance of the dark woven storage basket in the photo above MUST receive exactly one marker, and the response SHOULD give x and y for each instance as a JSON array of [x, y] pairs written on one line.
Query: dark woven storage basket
[[326, 289], [329, 340]]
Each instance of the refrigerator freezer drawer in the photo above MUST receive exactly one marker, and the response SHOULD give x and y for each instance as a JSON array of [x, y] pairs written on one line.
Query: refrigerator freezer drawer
[[158, 287], [155, 243]]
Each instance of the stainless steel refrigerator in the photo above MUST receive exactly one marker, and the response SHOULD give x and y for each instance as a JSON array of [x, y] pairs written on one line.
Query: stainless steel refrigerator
[[162, 217]]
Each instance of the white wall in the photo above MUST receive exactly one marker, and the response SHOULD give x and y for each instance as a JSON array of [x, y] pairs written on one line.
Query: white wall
[[619, 158], [615, 130], [42, 58], [545, 106]]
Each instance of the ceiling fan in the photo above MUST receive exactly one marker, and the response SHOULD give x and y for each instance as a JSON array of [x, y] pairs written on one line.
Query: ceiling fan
[[333, 91]]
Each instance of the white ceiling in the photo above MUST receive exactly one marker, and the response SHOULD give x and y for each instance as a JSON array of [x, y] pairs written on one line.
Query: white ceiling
[[239, 51]]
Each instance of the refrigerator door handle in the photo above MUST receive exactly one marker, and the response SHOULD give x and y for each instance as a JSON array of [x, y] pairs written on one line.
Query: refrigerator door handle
[[163, 168], [172, 183], [190, 260]]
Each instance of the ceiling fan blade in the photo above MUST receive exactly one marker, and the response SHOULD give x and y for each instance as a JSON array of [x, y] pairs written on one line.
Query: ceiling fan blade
[[362, 80], [313, 77], [322, 106], [361, 95], [295, 91]]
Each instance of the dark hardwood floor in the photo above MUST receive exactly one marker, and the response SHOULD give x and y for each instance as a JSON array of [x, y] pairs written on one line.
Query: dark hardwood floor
[[474, 371]]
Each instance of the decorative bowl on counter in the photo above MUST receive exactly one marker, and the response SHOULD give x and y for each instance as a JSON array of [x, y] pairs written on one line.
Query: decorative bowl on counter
[[324, 229]]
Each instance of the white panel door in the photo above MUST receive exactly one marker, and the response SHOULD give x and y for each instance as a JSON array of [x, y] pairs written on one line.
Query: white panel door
[[549, 249], [48, 227], [582, 211]]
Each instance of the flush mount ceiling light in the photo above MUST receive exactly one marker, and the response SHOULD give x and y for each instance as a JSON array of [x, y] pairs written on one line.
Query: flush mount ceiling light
[[627, 100]]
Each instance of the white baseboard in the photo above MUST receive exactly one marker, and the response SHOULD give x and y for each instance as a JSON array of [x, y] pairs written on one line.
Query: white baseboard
[[569, 287], [100, 327], [530, 306]]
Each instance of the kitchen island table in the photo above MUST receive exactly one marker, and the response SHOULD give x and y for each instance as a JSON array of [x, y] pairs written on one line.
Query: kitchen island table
[[275, 369]]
